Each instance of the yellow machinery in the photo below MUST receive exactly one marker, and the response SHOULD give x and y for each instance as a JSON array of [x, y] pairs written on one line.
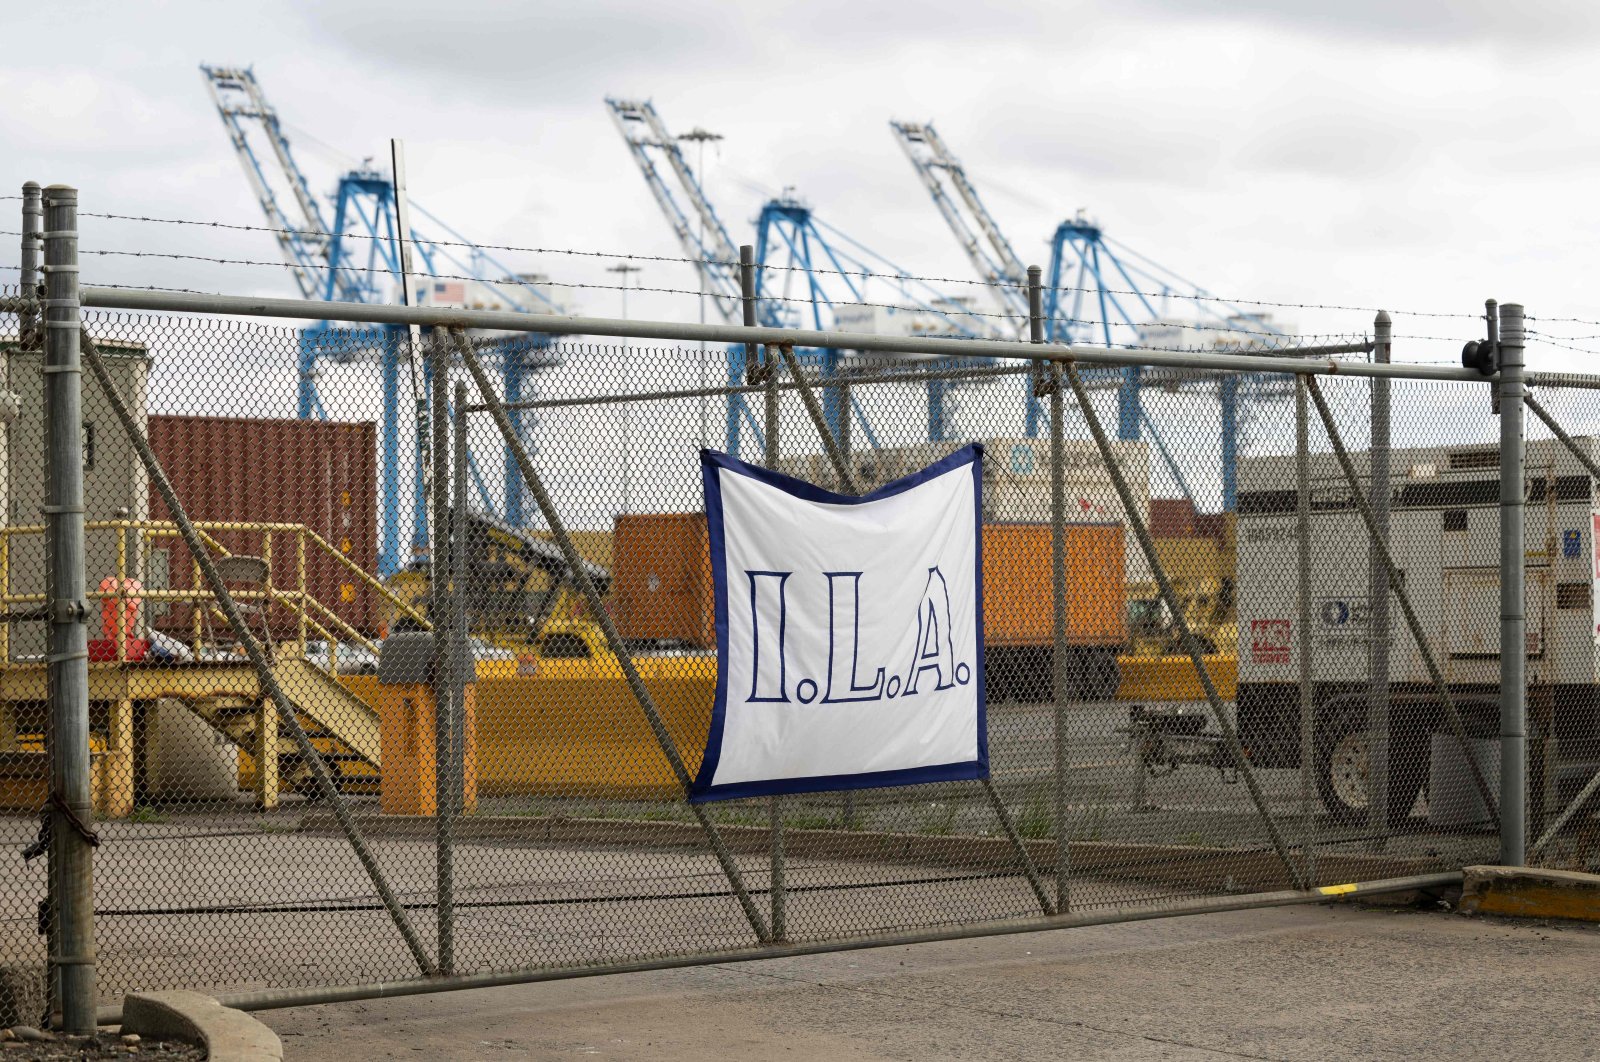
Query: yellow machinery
[[566, 723], [214, 681], [1201, 570], [516, 582], [555, 717]]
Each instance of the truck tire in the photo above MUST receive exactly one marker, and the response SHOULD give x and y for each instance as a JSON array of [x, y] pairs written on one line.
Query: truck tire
[[1342, 749], [996, 676], [1101, 675]]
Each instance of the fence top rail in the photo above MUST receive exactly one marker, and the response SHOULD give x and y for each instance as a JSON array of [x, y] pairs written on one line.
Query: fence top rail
[[1589, 381], [1298, 362]]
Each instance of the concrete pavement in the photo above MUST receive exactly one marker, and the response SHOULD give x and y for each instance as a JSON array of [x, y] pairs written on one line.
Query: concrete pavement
[[1291, 983]]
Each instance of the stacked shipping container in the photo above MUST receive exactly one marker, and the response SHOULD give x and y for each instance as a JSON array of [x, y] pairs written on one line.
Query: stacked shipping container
[[320, 474]]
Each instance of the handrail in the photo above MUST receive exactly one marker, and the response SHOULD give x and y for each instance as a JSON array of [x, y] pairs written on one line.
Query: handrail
[[298, 600], [367, 578], [344, 627]]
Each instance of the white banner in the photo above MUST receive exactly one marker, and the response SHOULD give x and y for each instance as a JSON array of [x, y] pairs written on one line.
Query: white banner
[[849, 631]]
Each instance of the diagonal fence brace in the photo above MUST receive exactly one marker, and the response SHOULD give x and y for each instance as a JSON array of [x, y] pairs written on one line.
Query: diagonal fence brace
[[258, 657], [1191, 645], [569, 553], [847, 480], [1397, 587], [1593, 785]]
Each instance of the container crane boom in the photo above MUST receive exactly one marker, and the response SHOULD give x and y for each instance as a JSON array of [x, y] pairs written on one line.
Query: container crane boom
[[700, 231], [301, 231], [974, 227]]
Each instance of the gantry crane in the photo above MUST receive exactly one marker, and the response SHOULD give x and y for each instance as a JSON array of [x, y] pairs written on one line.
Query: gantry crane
[[986, 247], [810, 275], [356, 258], [1096, 292]]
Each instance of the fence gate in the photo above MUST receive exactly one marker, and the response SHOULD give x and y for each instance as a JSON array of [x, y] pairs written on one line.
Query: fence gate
[[415, 696]]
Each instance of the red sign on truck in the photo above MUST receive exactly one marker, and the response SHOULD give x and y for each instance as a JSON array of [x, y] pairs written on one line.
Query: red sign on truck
[[1270, 641]]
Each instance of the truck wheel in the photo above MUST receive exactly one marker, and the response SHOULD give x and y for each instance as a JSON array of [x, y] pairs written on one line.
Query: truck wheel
[[996, 677], [1034, 678], [1102, 675], [1343, 766]]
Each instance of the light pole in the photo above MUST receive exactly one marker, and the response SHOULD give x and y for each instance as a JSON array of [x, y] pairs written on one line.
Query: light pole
[[625, 270], [700, 137]]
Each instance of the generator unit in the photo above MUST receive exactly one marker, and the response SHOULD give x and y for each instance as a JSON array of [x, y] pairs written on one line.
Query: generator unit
[[1445, 539]]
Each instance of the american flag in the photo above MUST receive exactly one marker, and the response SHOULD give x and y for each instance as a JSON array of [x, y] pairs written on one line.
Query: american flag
[[449, 291]]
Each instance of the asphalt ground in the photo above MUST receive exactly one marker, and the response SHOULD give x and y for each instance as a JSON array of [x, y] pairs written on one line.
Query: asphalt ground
[[1317, 982], [222, 897]]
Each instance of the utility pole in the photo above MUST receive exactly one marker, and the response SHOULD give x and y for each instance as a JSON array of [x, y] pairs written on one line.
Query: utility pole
[[700, 137], [624, 270]]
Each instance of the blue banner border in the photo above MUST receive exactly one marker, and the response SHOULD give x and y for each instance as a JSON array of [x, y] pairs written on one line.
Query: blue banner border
[[712, 462]]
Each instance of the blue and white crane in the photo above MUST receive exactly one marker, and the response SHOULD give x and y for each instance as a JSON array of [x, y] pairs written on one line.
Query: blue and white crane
[[356, 257], [809, 275], [1096, 292]]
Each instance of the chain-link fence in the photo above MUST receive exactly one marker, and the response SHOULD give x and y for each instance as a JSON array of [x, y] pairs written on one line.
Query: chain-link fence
[[402, 644]]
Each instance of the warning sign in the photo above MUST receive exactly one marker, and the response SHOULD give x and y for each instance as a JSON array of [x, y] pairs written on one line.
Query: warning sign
[[1270, 641]]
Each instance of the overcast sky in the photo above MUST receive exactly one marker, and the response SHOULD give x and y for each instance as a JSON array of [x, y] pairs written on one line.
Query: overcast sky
[[1398, 153], [1414, 155]]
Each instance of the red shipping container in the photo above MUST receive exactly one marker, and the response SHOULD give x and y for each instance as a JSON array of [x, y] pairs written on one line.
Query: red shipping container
[[1172, 518], [322, 474]]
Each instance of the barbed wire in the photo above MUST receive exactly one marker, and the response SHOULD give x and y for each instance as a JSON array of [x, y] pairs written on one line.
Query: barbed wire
[[1197, 296], [953, 315], [1539, 337], [1563, 320]]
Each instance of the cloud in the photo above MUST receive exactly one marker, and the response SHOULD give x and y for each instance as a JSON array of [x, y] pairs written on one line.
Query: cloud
[[1423, 24], [1406, 152]]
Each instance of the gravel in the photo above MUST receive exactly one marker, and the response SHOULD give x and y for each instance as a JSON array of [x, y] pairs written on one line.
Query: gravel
[[26, 1043]]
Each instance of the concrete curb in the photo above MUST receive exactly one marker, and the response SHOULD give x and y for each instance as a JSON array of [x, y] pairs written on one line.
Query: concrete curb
[[227, 1035], [1528, 892]]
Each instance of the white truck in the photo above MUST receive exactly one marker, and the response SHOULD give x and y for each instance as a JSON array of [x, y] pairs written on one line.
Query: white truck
[[1445, 538]]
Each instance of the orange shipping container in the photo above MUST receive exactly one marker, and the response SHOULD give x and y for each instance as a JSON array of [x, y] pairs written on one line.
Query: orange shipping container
[[1017, 598], [661, 578], [662, 582]]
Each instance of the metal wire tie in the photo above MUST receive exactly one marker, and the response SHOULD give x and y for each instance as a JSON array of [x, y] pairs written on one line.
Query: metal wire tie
[[66, 610], [55, 801], [59, 658]]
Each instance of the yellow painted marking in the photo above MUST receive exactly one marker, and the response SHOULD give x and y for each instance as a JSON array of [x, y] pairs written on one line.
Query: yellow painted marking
[[1337, 890]]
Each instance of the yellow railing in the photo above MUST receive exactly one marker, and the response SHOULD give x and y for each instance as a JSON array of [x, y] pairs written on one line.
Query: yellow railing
[[312, 616]]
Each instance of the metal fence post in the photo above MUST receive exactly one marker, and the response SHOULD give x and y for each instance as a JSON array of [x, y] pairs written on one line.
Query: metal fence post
[[462, 667], [1513, 653], [1378, 601], [1308, 702], [67, 657], [769, 396], [848, 812], [441, 610], [28, 339], [1048, 377], [28, 276]]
